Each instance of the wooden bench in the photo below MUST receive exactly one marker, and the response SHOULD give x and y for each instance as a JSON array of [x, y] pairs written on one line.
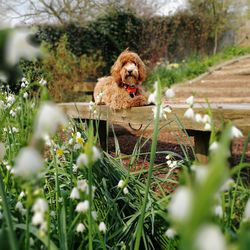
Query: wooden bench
[[238, 114]]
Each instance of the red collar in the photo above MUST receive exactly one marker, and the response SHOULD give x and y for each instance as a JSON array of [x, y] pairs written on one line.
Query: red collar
[[131, 90]]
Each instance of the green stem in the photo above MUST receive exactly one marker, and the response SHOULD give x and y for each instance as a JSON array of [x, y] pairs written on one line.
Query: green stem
[[150, 173], [7, 215], [90, 207]]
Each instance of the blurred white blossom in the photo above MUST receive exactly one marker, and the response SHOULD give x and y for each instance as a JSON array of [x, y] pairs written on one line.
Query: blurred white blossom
[[180, 205], [189, 113], [48, 119], [170, 93], [236, 133], [170, 233], [125, 190], [74, 194], [218, 211], [121, 184], [214, 146], [102, 227], [18, 46], [80, 228], [82, 207], [152, 98], [246, 215], [190, 100], [28, 162], [210, 237]]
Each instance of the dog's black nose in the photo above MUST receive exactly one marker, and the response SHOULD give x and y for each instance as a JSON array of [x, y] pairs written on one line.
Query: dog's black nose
[[130, 71]]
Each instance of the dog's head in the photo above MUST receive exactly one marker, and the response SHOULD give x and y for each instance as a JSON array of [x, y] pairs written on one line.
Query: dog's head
[[128, 69]]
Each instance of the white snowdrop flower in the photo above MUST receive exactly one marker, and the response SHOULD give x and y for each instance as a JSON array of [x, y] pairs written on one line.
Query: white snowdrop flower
[[25, 95], [96, 153], [2, 151], [207, 127], [71, 141], [125, 190], [82, 160], [40, 205], [102, 227], [23, 85], [189, 113], [152, 98], [246, 215], [21, 195], [82, 185], [74, 194], [168, 157], [227, 185], [80, 228], [19, 206], [43, 82], [18, 46], [170, 233], [60, 200], [167, 109], [214, 146], [75, 168], [218, 211], [121, 184], [169, 162], [91, 106], [48, 119], [82, 207], [32, 105], [198, 118], [210, 237], [94, 215], [236, 133], [170, 93], [14, 130], [37, 218], [53, 214], [8, 167], [201, 173], [12, 113], [28, 162], [206, 119], [180, 205], [190, 100], [31, 241], [11, 99]]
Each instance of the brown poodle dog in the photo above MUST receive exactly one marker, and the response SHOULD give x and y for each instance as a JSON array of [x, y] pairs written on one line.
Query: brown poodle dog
[[123, 88]]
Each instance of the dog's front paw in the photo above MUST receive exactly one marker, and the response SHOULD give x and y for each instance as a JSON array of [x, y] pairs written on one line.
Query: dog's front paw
[[139, 100]]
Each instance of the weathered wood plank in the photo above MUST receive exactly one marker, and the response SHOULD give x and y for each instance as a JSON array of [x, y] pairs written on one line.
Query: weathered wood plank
[[238, 114]]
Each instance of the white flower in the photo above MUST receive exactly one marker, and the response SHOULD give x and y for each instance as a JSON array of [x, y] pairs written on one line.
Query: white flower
[[38, 218], [13, 113], [74, 194], [53, 214], [21, 195], [82, 185], [102, 227], [18, 46], [235, 132], [31, 241], [246, 215], [82, 160], [125, 190], [28, 162], [190, 100], [48, 119], [207, 127], [25, 95], [41, 205], [152, 98], [14, 130], [82, 207], [91, 106], [23, 85], [210, 237], [214, 146], [96, 153], [11, 99], [189, 113], [80, 228], [201, 173], [2, 151], [94, 215], [180, 205], [19, 206], [218, 211], [227, 185], [198, 118], [206, 119], [170, 233], [168, 157], [121, 184], [43, 82], [170, 93], [75, 168], [162, 112]]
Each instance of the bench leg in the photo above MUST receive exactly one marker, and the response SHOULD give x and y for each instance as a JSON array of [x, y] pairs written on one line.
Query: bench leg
[[201, 144], [102, 133]]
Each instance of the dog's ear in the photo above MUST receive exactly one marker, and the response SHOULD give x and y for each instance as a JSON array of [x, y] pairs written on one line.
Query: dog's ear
[[115, 71], [142, 71]]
